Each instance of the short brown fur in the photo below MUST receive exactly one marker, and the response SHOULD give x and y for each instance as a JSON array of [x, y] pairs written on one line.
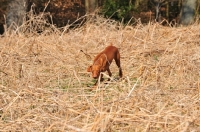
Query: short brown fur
[[102, 62]]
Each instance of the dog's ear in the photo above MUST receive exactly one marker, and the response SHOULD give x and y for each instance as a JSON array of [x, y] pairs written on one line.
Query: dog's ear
[[89, 69], [101, 61]]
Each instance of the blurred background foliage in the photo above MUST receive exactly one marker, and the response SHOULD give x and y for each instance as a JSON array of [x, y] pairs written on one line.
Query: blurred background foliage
[[117, 9], [62, 11], [3, 7], [67, 11]]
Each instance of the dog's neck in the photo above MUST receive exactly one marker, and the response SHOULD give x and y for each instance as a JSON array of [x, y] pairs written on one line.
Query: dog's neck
[[102, 64], [104, 58], [98, 62]]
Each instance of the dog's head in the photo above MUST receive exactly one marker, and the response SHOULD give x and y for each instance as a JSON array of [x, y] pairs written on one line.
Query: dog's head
[[95, 69]]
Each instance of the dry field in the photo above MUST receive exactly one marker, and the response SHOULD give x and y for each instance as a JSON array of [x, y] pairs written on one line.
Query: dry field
[[44, 85]]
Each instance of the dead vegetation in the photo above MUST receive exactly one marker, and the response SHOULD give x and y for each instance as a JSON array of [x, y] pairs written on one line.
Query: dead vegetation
[[44, 85]]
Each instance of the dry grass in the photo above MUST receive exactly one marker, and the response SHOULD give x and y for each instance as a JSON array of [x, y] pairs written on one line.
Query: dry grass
[[44, 85]]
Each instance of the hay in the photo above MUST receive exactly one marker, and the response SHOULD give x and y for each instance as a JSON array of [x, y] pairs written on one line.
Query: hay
[[44, 85]]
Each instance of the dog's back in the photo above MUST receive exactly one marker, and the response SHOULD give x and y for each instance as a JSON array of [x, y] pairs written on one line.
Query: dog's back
[[111, 53]]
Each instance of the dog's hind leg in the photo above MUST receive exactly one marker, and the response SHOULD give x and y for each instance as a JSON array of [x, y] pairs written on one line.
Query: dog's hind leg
[[117, 60], [109, 73]]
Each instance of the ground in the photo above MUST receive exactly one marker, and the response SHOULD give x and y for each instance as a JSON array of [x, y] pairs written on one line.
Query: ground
[[44, 85]]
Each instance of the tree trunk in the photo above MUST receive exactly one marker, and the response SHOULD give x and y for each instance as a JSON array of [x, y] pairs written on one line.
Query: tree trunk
[[167, 11], [188, 12], [91, 5], [158, 4], [16, 13], [136, 4]]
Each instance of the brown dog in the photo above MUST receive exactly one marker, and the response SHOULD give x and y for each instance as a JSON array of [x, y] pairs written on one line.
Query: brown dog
[[102, 62]]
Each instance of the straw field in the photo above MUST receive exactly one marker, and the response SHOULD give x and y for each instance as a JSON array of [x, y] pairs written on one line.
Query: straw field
[[44, 85]]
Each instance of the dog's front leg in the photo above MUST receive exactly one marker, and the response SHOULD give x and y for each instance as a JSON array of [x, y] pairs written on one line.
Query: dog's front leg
[[101, 79]]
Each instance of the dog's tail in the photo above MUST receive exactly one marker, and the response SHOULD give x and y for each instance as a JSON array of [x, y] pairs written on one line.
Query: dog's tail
[[87, 55]]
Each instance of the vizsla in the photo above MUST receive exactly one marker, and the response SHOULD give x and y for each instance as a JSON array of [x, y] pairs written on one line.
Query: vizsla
[[102, 62]]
